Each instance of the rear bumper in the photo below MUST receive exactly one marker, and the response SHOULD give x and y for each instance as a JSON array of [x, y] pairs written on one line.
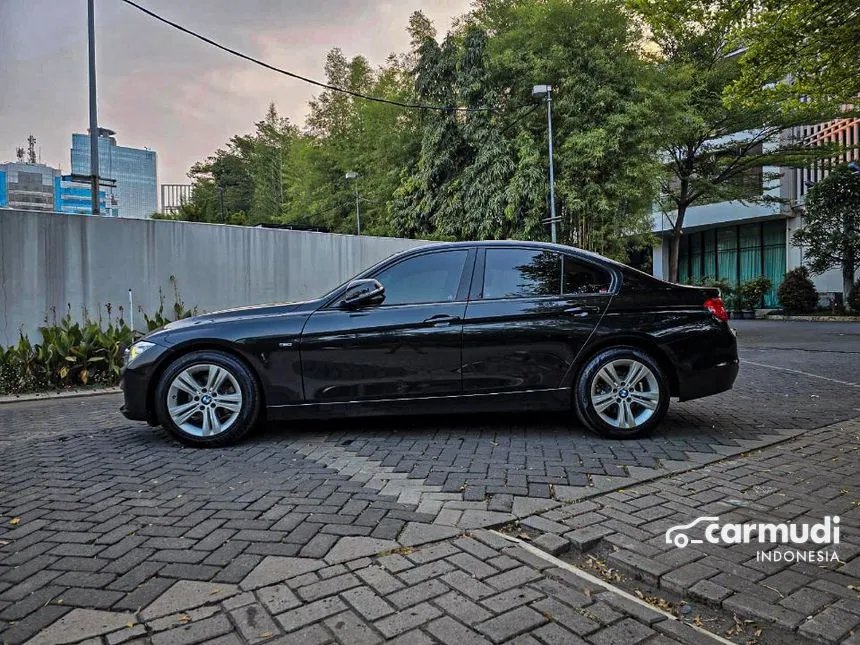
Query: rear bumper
[[707, 381]]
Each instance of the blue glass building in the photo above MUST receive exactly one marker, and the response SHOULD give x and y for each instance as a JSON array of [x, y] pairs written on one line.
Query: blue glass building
[[133, 169], [3, 198], [75, 198]]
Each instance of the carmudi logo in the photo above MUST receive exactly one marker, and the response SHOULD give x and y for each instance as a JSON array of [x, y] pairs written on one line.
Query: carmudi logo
[[791, 534]]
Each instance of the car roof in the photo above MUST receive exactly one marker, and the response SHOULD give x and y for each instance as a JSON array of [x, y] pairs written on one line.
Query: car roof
[[549, 246]]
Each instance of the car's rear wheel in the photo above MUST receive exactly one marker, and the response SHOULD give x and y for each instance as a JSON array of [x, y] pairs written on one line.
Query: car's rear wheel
[[207, 398], [622, 393]]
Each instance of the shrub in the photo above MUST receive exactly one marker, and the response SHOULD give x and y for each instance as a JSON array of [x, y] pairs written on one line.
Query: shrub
[[73, 353], [797, 293], [751, 292], [158, 319]]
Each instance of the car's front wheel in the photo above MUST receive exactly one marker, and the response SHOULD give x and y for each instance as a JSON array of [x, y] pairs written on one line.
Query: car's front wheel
[[622, 393], [207, 398]]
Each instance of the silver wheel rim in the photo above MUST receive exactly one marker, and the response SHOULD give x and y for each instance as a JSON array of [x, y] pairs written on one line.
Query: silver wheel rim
[[204, 400], [625, 393]]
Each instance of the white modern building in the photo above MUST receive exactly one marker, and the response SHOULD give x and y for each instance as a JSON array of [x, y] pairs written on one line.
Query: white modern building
[[738, 242]]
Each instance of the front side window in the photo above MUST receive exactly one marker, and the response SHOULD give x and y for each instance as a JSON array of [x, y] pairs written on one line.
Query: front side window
[[523, 273], [433, 277]]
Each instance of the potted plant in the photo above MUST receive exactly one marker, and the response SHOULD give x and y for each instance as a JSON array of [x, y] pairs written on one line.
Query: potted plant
[[750, 293]]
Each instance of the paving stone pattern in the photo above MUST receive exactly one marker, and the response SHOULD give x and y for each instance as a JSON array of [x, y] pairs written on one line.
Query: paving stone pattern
[[800, 481], [98, 514], [476, 588]]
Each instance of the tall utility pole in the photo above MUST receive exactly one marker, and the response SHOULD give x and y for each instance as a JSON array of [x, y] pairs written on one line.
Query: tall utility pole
[[551, 166], [94, 119], [541, 91]]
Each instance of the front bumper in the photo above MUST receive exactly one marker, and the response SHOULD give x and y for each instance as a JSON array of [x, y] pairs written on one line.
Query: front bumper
[[137, 382]]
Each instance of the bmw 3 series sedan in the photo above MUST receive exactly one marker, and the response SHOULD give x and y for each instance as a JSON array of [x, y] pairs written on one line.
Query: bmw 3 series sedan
[[453, 327]]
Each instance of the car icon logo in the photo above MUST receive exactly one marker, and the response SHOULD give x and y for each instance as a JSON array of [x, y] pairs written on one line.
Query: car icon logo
[[675, 535]]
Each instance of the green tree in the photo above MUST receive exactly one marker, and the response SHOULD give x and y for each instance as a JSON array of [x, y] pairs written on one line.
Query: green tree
[[243, 178], [830, 234], [482, 173], [344, 134], [713, 152], [799, 50], [226, 176], [273, 136]]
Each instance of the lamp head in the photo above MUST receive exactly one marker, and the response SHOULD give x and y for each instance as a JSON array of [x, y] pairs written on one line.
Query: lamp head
[[540, 91]]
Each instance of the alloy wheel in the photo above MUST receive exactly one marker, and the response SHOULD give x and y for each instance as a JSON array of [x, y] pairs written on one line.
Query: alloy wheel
[[625, 393], [204, 400]]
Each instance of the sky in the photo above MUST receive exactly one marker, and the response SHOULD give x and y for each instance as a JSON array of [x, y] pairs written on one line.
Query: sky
[[164, 90]]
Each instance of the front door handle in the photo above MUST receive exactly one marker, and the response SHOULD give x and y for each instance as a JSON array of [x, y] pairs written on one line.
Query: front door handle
[[582, 312], [442, 319]]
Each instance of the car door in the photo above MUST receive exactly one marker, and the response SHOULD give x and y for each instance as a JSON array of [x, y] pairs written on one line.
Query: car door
[[530, 312], [408, 346]]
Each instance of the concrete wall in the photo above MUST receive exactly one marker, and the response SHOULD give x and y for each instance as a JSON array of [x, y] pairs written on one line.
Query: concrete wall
[[48, 260]]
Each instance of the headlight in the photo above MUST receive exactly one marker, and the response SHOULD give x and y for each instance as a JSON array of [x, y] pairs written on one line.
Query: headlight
[[137, 349]]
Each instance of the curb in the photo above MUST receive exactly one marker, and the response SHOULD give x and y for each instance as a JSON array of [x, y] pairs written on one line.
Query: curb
[[50, 396], [813, 318]]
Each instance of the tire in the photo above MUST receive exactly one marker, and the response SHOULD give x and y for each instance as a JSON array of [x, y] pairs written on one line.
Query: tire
[[599, 398], [218, 417]]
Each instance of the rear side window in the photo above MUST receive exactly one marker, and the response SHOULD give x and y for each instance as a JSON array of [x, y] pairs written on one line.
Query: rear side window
[[522, 273], [581, 277]]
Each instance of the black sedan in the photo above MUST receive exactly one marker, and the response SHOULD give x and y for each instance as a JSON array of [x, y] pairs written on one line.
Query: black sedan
[[458, 327]]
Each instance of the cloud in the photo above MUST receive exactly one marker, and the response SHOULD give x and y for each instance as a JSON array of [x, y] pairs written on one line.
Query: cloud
[[163, 89]]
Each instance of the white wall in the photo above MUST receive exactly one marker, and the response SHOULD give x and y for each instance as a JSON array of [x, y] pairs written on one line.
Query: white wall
[[48, 260]]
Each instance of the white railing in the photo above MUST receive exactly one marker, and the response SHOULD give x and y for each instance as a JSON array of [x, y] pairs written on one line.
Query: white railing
[[845, 132]]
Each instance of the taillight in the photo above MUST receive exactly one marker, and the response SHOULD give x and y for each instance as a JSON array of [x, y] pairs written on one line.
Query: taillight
[[716, 307]]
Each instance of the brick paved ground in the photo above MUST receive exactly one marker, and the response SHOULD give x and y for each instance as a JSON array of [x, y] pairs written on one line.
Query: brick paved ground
[[113, 515], [473, 589], [800, 481]]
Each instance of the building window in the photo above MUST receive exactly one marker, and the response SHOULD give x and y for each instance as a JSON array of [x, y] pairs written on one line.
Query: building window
[[735, 254]]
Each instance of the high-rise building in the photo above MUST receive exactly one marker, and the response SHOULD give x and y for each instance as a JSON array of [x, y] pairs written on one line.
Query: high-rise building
[[27, 186], [74, 197], [133, 169]]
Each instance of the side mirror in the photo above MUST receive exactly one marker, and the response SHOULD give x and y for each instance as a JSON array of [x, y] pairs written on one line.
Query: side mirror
[[361, 293]]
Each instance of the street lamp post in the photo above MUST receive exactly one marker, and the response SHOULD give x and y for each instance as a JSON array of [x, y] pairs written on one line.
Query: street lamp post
[[94, 126], [541, 91], [354, 175]]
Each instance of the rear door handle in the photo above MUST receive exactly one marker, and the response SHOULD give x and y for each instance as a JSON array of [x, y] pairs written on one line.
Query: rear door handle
[[442, 319], [582, 312]]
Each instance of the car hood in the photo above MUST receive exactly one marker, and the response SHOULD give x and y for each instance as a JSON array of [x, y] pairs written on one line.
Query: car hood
[[242, 313]]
